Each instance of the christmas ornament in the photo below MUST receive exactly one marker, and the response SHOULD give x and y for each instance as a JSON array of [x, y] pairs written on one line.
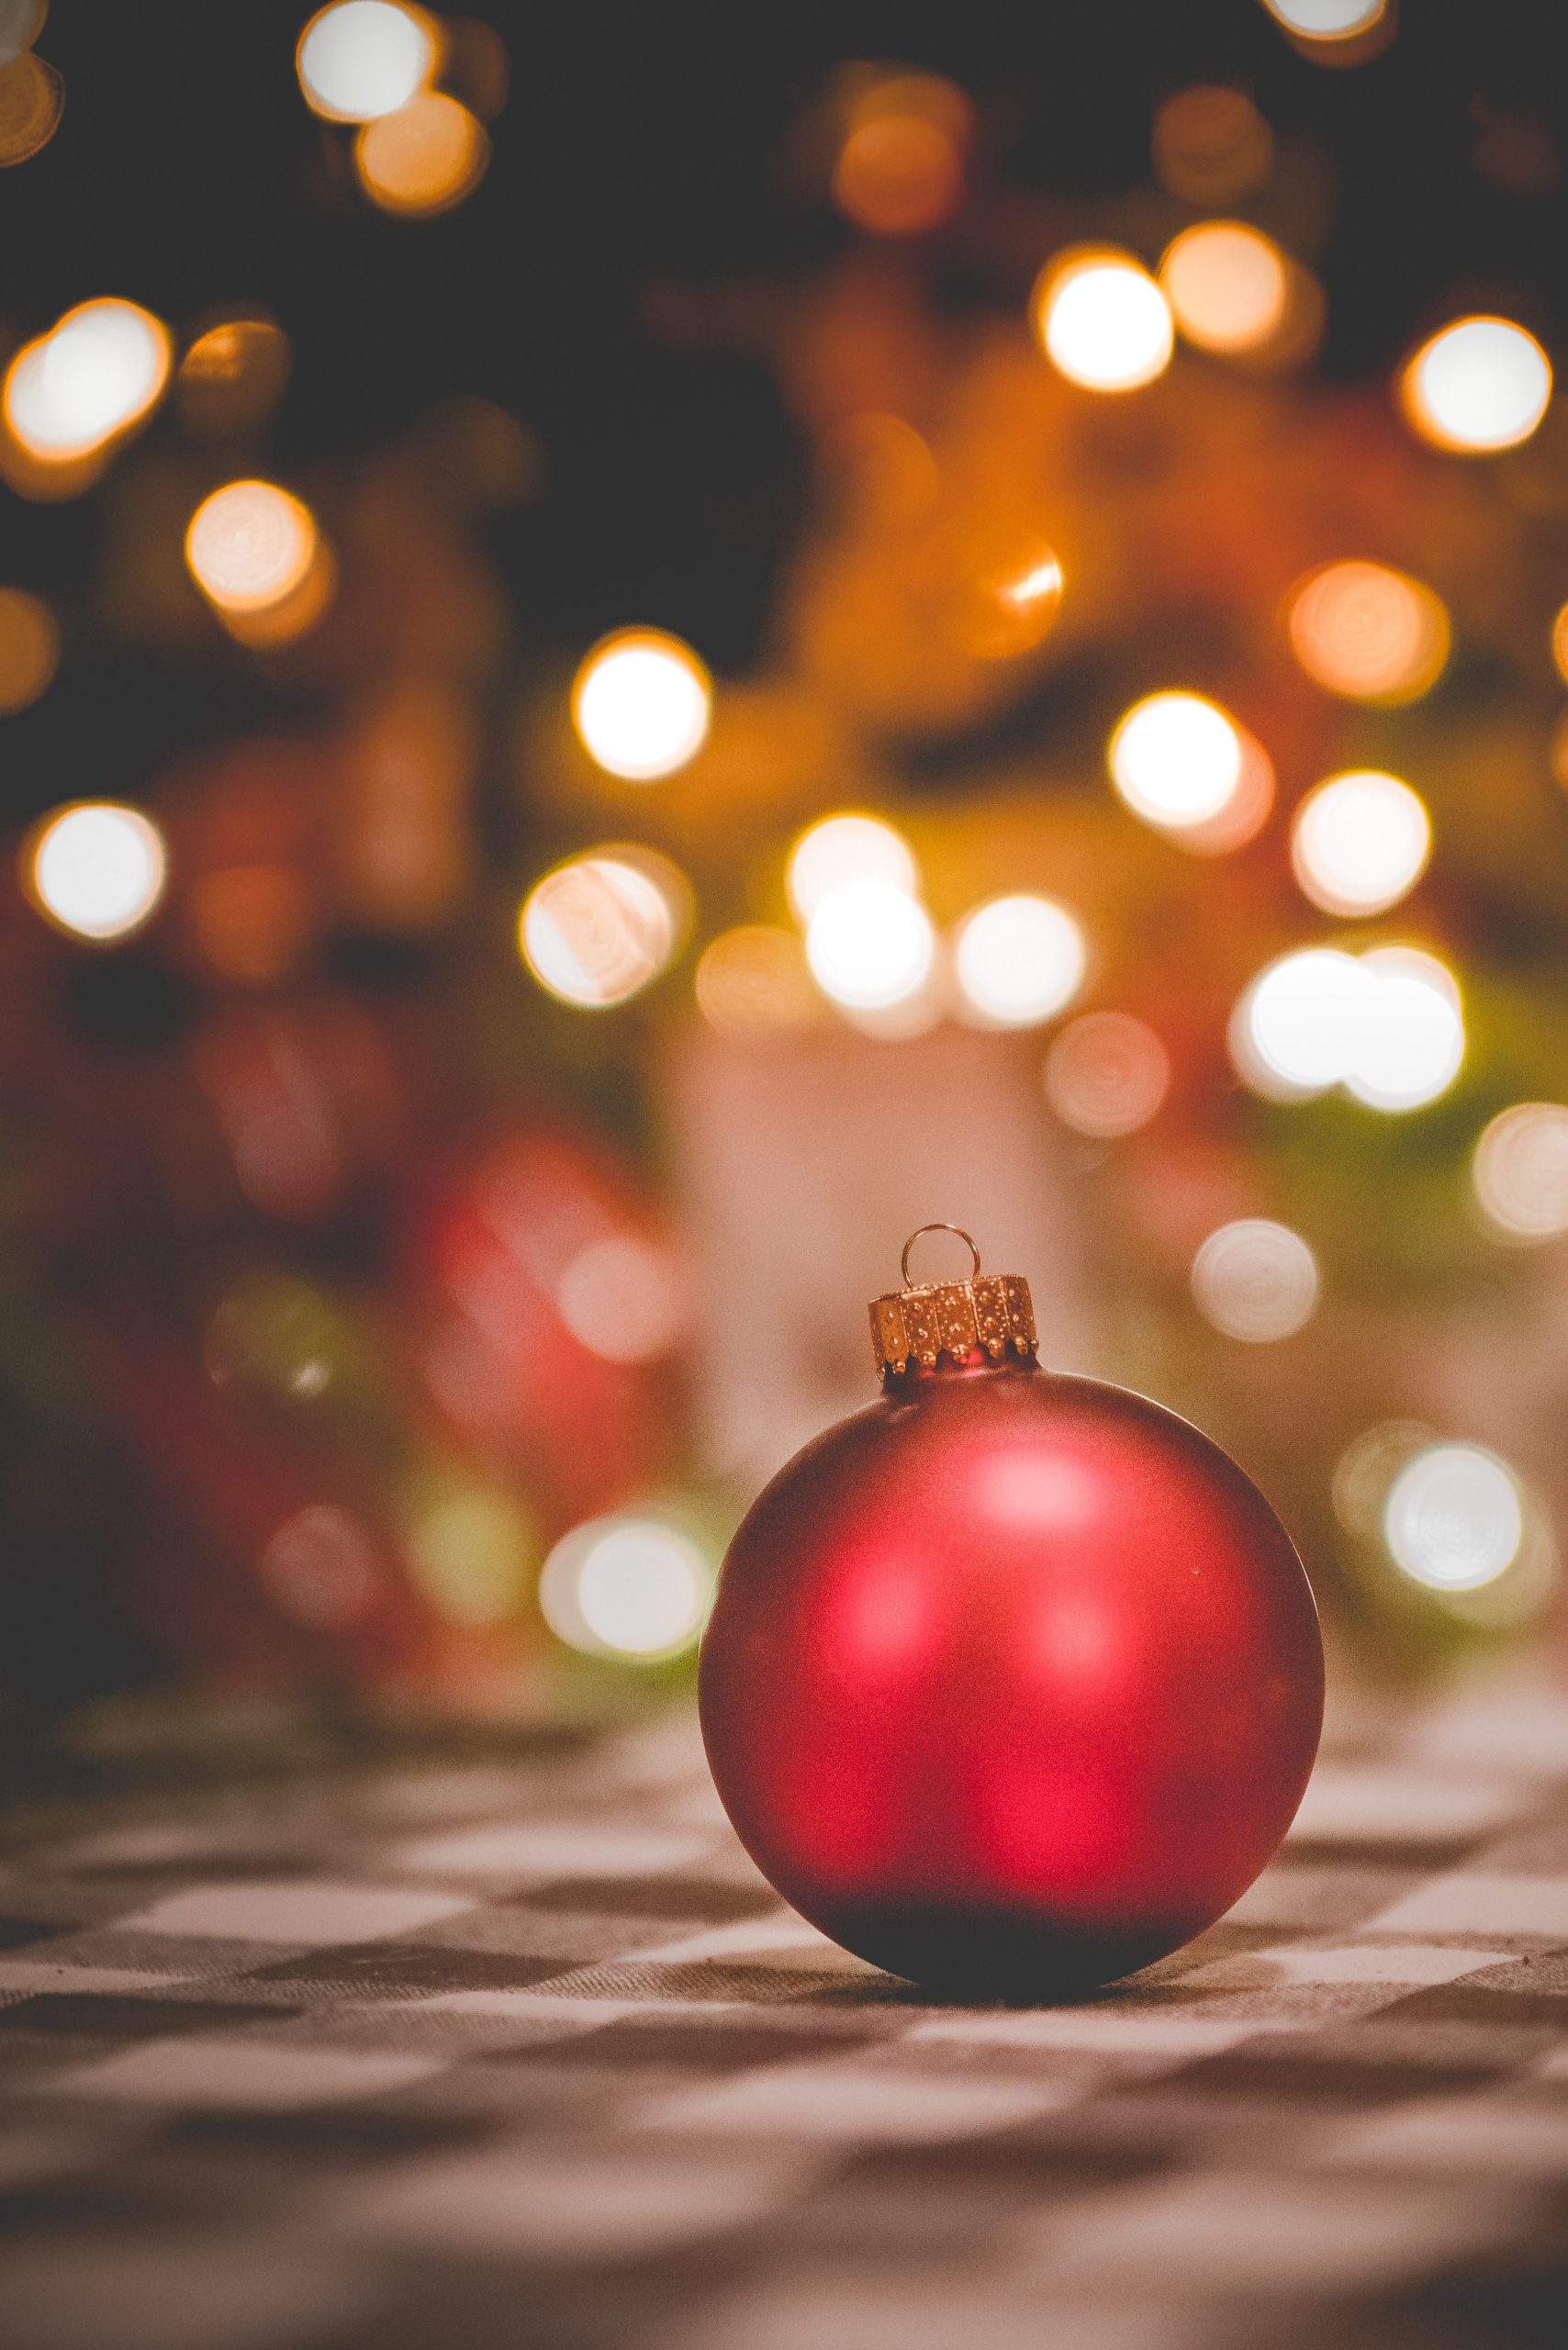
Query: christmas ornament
[[1013, 1680]]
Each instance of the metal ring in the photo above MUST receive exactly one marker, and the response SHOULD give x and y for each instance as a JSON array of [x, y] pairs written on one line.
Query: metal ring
[[924, 1229]]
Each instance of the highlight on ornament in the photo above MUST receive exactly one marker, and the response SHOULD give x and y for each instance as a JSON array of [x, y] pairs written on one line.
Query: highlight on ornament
[[424, 158], [839, 849], [1368, 632], [360, 59], [1256, 1281], [870, 945], [1106, 1075], [635, 1588], [754, 982], [1360, 842], [1454, 1518], [1017, 961], [1102, 319], [600, 927], [1519, 1169], [92, 380], [1480, 385], [642, 703], [1386, 1025], [1176, 760], [97, 869], [29, 649], [1228, 285]]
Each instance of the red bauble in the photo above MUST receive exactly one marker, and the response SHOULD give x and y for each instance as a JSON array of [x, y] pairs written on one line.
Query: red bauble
[[1013, 1681]]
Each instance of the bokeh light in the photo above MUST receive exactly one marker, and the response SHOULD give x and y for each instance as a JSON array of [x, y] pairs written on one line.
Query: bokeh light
[[359, 59], [1520, 1171], [92, 377], [1019, 960], [97, 869], [1102, 319], [1480, 385], [598, 928], [641, 703], [1176, 759], [870, 945], [901, 168], [841, 849], [233, 375], [754, 982], [321, 1568], [1106, 1075], [1227, 284], [424, 158], [1256, 1281], [32, 96], [1360, 842], [629, 1586], [251, 545], [1454, 1518], [1210, 144], [29, 648], [1368, 632], [623, 1298], [1327, 20], [1386, 1025], [470, 1551], [1560, 643]]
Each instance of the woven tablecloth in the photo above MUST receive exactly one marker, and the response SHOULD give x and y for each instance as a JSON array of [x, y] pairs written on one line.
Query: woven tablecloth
[[514, 2047]]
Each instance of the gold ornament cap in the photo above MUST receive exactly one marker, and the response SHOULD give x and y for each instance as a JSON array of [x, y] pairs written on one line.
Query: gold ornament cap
[[990, 1314]]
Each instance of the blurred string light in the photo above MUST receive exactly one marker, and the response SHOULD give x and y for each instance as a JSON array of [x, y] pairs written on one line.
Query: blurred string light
[[32, 93], [1368, 632], [992, 593], [1336, 32], [1211, 144], [870, 945], [754, 982], [839, 849], [1520, 1171], [601, 926], [1386, 1025], [1482, 383], [323, 1568], [93, 378], [424, 158], [1185, 766], [29, 649], [1106, 1075], [901, 168], [1018, 961], [1360, 842], [1227, 284], [360, 59], [1102, 319], [232, 375], [642, 702], [635, 1587], [1256, 1281], [623, 1298], [255, 553], [97, 869], [470, 1551], [1454, 1518]]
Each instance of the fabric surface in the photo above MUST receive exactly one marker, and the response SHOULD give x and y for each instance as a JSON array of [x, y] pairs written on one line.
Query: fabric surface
[[515, 2048]]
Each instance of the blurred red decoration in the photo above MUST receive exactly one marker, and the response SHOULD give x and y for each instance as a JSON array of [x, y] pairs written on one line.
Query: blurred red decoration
[[1013, 1681]]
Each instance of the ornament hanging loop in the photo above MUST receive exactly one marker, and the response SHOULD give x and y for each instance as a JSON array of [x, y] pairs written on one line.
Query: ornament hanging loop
[[920, 1233]]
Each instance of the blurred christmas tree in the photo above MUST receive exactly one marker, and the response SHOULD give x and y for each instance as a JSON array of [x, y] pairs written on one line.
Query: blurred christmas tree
[[1122, 647]]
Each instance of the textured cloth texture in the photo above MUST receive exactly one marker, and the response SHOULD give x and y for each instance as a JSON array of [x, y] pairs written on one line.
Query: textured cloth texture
[[511, 2046]]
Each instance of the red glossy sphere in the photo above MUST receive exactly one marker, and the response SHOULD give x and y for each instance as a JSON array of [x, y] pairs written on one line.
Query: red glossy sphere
[[1012, 1681]]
